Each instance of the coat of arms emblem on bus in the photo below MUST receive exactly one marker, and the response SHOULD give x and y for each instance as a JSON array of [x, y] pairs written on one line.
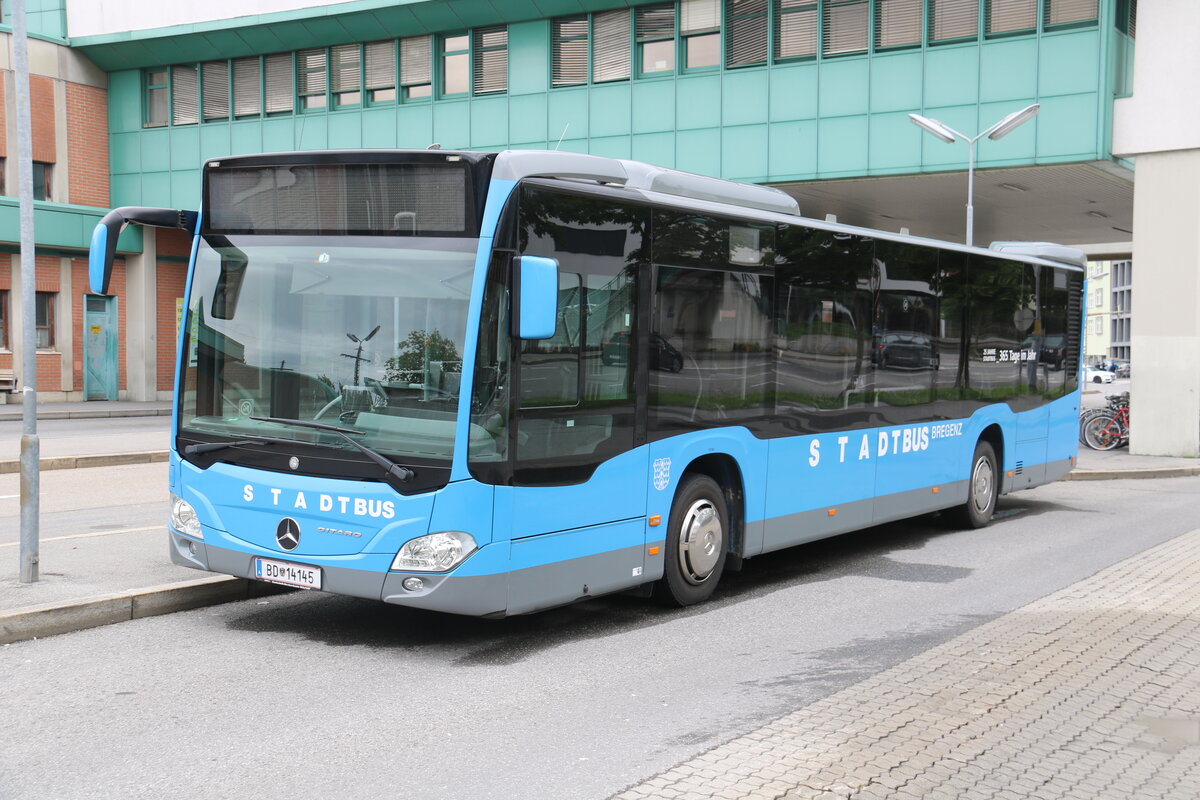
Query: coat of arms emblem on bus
[[662, 473]]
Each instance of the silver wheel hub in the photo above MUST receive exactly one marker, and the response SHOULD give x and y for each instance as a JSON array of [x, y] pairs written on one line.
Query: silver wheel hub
[[701, 540], [983, 479]]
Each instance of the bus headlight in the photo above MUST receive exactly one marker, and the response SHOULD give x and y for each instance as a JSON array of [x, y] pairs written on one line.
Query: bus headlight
[[184, 519], [436, 552]]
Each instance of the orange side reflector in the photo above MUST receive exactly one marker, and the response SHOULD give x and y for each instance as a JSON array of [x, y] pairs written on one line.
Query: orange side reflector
[[833, 512], [936, 490], [653, 551], [1010, 473], [1072, 461], [655, 521]]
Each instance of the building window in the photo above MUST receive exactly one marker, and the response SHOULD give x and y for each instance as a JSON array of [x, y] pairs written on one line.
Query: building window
[[456, 65], [158, 98], [312, 78], [1010, 16], [215, 88], [247, 87], [185, 95], [345, 61], [844, 27], [569, 51], [610, 46], [795, 29], [42, 177], [951, 20], [379, 59], [1098, 326], [700, 27], [490, 60], [654, 28], [279, 83], [416, 67], [897, 23], [4, 319], [1070, 12], [43, 319], [746, 40]]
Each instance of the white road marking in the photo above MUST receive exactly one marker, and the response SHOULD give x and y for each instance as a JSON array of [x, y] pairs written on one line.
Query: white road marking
[[90, 535]]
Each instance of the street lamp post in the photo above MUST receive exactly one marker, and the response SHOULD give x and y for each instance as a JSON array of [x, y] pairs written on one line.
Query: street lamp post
[[997, 131]]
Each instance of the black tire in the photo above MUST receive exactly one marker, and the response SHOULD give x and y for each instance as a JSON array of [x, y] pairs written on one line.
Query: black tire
[[697, 543], [983, 487], [1097, 379]]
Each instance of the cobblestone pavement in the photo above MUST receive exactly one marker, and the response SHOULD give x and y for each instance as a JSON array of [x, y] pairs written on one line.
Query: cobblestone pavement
[[1090, 692]]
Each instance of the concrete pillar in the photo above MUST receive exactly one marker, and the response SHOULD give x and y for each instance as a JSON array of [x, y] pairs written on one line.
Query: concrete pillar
[[141, 329], [1165, 385]]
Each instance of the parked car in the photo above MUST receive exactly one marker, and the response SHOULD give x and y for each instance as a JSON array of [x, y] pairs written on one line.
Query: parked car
[[663, 354], [905, 349], [1093, 375]]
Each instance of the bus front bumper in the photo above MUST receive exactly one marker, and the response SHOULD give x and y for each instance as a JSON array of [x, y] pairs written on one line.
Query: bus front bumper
[[472, 595]]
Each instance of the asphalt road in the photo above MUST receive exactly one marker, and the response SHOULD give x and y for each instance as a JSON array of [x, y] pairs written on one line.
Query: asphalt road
[[308, 694], [70, 437]]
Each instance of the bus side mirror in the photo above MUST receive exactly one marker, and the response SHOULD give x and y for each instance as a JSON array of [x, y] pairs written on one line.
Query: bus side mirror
[[104, 237], [536, 296]]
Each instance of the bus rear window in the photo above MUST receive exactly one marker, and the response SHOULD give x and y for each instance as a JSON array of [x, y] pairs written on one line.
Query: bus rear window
[[382, 199]]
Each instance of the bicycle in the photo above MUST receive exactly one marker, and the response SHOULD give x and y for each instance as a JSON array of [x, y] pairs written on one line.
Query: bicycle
[[1110, 429], [1113, 402]]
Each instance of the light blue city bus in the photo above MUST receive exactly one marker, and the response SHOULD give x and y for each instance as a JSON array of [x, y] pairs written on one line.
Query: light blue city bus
[[493, 383]]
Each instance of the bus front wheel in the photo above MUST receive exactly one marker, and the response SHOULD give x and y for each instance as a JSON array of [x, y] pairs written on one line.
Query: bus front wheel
[[983, 487], [697, 541]]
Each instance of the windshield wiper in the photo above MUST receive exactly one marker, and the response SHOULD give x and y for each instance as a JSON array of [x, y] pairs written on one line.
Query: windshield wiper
[[402, 474], [208, 447]]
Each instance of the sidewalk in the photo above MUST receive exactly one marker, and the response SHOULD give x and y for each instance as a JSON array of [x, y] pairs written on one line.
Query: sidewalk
[[89, 410], [126, 575], [1092, 692]]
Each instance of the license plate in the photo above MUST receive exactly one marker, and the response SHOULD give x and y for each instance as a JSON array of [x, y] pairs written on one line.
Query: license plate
[[299, 575]]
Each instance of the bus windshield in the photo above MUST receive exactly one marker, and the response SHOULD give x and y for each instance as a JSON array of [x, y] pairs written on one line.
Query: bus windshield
[[358, 332]]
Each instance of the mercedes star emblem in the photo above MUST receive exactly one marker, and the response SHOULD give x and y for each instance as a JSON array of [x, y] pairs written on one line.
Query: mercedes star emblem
[[288, 533], [294, 462]]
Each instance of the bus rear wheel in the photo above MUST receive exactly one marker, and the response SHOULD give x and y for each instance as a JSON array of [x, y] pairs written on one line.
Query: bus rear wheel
[[697, 542], [983, 487]]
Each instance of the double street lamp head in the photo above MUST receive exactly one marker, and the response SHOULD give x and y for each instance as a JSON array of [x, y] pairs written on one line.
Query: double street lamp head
[[997, 131]]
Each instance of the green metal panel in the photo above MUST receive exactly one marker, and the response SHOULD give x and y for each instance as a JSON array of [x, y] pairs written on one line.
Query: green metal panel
[[1018, 146], [744, 97], [842, 146], [844, 88], [610, 109], [1067, 127], [895, 143], [452, 124], [695, 101], [124, 190], [156, 189], [345, 130], [379, 128], [1008, 70], [699, 151], [653, 106], [792, 150], [744, 152], [896, 82], [311, 132], [156, 148], [527, 119], [1068, 63], [185, 145], [935, 152], [246, 137], [612, 146], [214, 143], [951, 75], [414, 126], [655, 148], [794, 92], [567, 115], [529, 57], [125, 151], [185, 189], [125, 101], [489, 121]]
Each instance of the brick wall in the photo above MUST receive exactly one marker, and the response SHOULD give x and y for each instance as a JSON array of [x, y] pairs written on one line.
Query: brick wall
[[170, 288], [49, 365], [41, 112], [87, 145]]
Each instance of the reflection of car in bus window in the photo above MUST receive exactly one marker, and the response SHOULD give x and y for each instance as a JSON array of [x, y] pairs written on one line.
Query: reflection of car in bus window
[[905, 349], [663, 354]]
